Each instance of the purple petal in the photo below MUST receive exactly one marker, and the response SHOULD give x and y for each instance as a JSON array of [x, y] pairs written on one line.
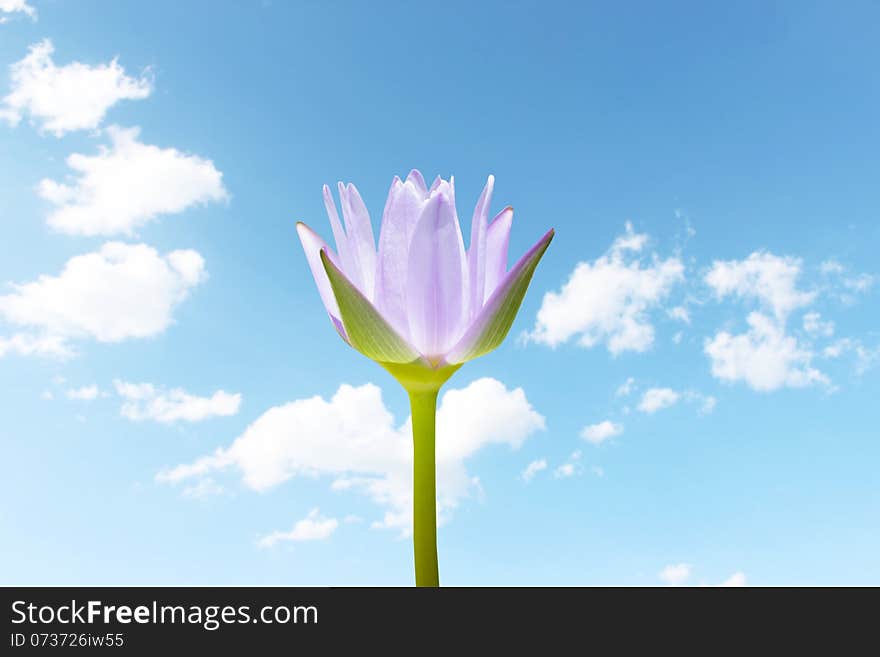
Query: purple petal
[[402, 211], [415, 177], [436, 293], [497, 241], [477, 250], [312, 245], [361, 242], [347, 263]]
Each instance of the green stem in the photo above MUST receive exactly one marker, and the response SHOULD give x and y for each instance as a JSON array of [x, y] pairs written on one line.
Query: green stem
[[423, 404]]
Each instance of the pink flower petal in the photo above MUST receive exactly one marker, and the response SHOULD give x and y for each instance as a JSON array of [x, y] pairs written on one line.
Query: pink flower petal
[[436, 292], [312, 245], [497, 241], [402, 211], [361, 243], [477, 249]]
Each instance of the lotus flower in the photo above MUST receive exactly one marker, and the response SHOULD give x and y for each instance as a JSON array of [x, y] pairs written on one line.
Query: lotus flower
[[421, 304]]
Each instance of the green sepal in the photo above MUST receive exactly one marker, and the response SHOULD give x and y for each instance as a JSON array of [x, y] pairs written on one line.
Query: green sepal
[[495, 319], [367, 330]]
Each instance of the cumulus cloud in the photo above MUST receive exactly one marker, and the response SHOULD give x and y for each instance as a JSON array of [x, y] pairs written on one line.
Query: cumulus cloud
[[353, 440], [127, 185], [314, 527], [144, 401], [16, 6], [119, 292], [676, 574], [764, 357], [765, 277], [600, 432], [61, 99], [609, 299], [656, 399], [532, 469]]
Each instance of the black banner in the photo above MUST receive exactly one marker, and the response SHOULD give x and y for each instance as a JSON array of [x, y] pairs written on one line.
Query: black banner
[[144, 620]]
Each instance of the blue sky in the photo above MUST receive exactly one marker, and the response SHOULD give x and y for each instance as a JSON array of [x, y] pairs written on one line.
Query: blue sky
[[711, 173]]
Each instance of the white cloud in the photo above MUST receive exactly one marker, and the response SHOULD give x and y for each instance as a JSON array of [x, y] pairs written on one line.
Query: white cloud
[[837, 348], [765, 357], [625, 388], [314, 527], [735, 580], [129, 184], [675, 574], [16, 6], [65, 98], [705, 403], [564, 471], [767, 278], [865, 357], [353, 439], [119, 292], [708, 404], [831, 267], [85, 393], [569, 468], [859, 283], [48, 395], [532, 469], [609, 299], [678, 574], [24, 344], [846, 286], [203, 488], [681, 314], [656, 399], [144, 401], [816, 326], [601, 431]]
